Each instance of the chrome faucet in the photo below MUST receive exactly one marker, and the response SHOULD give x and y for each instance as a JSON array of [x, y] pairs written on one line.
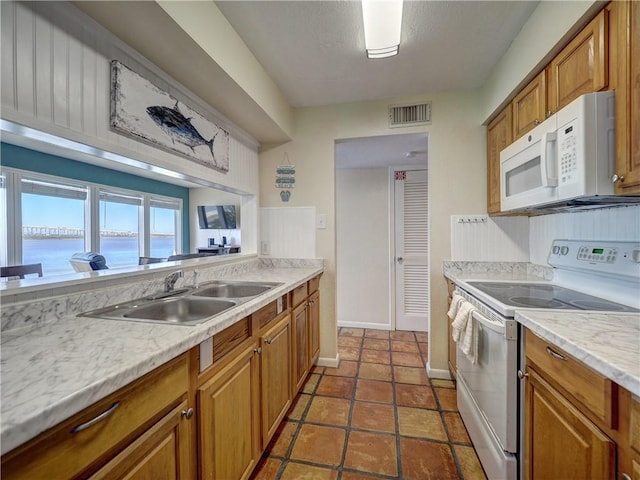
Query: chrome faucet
[[171, 280]]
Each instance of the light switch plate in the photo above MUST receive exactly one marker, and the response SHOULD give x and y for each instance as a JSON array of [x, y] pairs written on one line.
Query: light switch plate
[[321, 221]]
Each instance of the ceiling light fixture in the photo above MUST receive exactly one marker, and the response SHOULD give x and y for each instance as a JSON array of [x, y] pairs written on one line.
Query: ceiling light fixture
[[382, 24]]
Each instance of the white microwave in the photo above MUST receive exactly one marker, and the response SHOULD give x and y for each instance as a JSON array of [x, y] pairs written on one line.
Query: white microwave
[[568, 157]]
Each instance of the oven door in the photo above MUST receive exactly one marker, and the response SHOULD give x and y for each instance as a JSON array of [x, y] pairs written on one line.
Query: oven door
[[492, 381], [528, 175]]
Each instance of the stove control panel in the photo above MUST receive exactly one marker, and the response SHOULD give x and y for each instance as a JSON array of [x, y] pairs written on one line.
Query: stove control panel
[[606, 257]]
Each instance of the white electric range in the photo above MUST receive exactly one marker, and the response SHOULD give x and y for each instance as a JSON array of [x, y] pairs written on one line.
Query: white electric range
[[589, 275]]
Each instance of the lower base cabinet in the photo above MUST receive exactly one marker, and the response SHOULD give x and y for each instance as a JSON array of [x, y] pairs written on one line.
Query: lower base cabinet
[[560, 441], [160, 453], [228, 434]]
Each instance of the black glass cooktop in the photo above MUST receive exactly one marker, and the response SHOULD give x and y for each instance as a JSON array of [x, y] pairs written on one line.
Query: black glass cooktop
[[536, 295]]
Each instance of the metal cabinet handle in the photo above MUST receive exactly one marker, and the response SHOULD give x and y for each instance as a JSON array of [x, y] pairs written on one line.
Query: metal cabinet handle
[[268, 341], [549, 113], [617, 178], [537, 122], [257, 350], [626, 477], [107, 413], [188, 413], [522, 375], [556, 354], [399, 259]]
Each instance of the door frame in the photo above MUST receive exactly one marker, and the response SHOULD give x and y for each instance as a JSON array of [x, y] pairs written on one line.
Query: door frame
[[392, 243]]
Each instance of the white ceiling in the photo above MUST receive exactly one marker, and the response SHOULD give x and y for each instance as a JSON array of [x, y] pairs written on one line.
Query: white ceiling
[[314, 50], [382, 151]]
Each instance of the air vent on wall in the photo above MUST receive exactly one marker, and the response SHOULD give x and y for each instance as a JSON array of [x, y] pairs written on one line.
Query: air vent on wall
[[409, 115]]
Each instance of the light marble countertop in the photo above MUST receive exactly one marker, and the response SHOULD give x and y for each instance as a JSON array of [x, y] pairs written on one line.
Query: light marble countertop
[[53, 370], [609, 343]]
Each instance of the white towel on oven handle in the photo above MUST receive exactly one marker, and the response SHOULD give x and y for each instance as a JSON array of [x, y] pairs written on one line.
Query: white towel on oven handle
[[456, 300], [465, 331]]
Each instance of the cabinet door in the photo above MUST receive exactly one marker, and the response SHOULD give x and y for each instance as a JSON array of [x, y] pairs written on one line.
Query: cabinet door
[[301, 346], [582, 66], [228, 420], [529, 106], [314, 327], [499, 134], [452, 344], [560, 441], [627, 59], [275, 369], [162, 452]]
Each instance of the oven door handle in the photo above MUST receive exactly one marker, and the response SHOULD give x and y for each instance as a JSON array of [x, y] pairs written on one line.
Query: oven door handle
[[508, 329]]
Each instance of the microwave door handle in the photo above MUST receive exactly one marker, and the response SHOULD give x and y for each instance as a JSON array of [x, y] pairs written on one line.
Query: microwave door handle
[[547, 158]]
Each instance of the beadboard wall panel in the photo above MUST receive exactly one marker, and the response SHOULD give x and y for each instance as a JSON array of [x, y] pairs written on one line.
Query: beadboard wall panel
[[489, 239], [56, 78], [619, 223], [288, 232]]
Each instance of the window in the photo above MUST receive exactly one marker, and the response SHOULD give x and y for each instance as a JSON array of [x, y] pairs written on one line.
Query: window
[[46, 219], [120, 228], [164, 223], [53, 220]]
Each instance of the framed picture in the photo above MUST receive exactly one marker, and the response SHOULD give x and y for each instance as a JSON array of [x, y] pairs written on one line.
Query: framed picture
[[141, 110]]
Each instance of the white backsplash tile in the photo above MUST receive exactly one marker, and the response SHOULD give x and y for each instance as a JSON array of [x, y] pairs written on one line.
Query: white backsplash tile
[[485, 239], [289, 232]]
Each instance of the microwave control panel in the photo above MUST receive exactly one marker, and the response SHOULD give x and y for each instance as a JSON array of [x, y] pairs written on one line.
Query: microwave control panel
[[568, 154]]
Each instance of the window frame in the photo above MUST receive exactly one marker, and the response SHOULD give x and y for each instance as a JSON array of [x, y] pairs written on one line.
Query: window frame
[[13, 181]]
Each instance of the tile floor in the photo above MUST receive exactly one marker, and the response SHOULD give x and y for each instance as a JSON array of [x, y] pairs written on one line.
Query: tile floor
[[377, 416]]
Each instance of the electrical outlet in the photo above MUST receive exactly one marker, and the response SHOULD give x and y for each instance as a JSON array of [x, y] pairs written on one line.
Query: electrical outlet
[[264, 248]]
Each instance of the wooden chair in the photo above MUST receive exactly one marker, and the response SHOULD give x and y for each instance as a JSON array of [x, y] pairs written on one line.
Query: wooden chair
[[21, 270]]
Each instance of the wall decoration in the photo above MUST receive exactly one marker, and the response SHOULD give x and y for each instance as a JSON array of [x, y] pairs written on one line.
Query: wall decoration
[[141, 110], [285, 178]]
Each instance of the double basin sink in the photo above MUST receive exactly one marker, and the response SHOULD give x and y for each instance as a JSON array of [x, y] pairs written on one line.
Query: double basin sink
[[188, 306]]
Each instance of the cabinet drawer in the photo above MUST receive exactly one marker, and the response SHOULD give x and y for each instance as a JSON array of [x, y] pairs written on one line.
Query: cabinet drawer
[[62, 453], [314, 284], [597, 393], [298, 295]]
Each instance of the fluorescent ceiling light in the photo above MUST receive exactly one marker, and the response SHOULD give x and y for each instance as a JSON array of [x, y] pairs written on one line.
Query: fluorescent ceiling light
[[382, 24]]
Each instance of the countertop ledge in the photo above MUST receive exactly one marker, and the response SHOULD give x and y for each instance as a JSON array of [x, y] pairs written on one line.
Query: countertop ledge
[[52, 371], [608, 343]]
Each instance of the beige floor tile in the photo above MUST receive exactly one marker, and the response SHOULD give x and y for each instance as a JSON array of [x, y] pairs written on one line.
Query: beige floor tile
[[355, 342], [282, 438], [404, 336], [351, 332], [375, 371], [420, 396], [375, 356], [329, 411], [407, 347], [310, 384], [469, 463], [336, 386], [267, 469], [447, 398], [375, 344], [299, 471], [380, 334], [373, 416], [319, 444], [412, 375], [298, 407], [374, 391], [437, 382], [455, 427], [426, 460], [347, 368], [372, 452], [406, 359], [417, 422], [349, 353]]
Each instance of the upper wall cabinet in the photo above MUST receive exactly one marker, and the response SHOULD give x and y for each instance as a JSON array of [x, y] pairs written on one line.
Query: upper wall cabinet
[[626, 16], [498, 137], [582, 66], [529, 107]]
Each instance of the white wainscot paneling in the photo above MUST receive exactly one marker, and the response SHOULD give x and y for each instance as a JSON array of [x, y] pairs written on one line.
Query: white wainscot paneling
[[288, 232], [480, 238], [56, 78], [619, 223]]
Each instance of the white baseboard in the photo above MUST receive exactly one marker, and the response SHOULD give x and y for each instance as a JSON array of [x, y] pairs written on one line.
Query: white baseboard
[[373, 326], [328, 361], [437, 373]]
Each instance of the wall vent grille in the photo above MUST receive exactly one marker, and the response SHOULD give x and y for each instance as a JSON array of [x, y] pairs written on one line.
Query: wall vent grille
[[409, 115]]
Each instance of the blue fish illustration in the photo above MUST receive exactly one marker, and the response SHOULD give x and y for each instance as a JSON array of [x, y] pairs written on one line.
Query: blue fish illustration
[[179, 127]]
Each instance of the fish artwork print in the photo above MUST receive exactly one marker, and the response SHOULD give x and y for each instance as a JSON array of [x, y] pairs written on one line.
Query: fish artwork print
[[179, 127]]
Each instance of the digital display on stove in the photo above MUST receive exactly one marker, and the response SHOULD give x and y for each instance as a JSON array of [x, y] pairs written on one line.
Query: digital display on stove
[[598, 251]]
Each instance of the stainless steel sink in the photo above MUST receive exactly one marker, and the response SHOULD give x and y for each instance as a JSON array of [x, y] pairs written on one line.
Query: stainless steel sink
[[187, 306], [234, 289], [180, 310]]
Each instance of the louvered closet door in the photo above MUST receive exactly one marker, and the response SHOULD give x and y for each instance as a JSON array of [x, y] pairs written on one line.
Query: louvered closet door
[[411, 259]]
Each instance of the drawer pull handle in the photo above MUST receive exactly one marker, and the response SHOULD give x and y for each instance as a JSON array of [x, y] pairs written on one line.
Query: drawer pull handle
[[522, 374], [268, 340], [188, 413], [556, 354], [98, 419]]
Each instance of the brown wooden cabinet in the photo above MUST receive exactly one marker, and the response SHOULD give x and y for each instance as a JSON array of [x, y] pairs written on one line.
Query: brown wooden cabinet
[[160, 453], [126, 421], [301, 358], [627, 21], [582, 66], [275, 376], [560, 441], [499, 135], [529, 107], [314, 327], [228, 419]]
